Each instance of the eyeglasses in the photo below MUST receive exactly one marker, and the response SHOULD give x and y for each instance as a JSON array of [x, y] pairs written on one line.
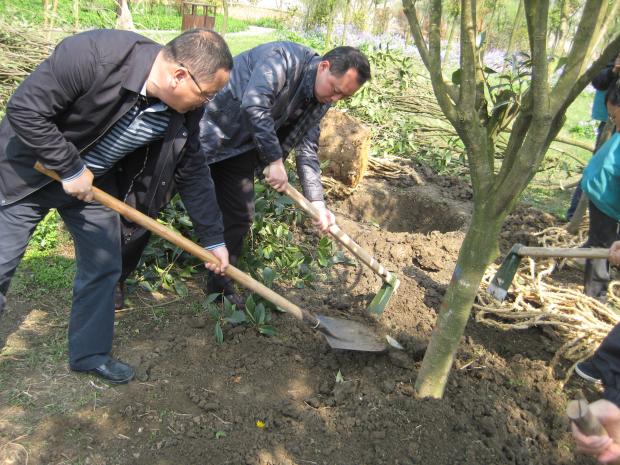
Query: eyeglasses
[[206, 98]]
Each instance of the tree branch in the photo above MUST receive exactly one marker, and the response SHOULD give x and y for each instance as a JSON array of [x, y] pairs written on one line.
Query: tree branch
[[583, 43], [433, 64]]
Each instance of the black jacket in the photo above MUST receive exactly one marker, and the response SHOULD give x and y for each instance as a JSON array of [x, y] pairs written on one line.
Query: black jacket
[[269, 105], [71, 100]]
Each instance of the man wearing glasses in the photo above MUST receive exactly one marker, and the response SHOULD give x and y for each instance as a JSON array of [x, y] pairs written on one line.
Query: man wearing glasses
[[114, 109], [274, 101]]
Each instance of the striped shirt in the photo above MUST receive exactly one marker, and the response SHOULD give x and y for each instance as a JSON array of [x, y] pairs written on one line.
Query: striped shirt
[[140, 126]]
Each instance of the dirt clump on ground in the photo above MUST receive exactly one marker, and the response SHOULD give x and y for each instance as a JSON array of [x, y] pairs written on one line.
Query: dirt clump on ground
[[290, 399]]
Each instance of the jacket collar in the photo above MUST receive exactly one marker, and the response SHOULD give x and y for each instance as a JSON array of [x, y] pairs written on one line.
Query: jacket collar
[[310, 77], [139, 65]]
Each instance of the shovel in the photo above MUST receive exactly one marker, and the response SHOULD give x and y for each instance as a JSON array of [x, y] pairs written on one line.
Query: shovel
[[340, 334], [390, 280], [507, 270]]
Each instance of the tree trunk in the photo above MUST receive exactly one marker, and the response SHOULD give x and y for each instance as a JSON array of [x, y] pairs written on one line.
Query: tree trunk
[[46, 13], [485, 27], [224, 28], [330, 30], [476, 253], [562, 35], [52, 19], [345, 23], [513, 33], [453, 23], [124, 19], [76, 15]]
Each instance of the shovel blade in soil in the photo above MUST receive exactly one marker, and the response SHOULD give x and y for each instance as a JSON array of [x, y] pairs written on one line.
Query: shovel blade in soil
[[349, 335]]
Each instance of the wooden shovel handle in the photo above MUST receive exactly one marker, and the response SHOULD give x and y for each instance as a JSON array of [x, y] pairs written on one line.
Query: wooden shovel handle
[[579, 412], [339, 234], [563, 253], [192, 248]]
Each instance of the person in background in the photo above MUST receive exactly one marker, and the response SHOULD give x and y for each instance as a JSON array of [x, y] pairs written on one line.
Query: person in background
[[604, 366], [601, 83], [104, 102], [601, 183]]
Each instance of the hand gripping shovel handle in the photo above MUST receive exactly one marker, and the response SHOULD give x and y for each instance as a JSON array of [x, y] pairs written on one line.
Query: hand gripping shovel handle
[[194, 249], [578, 411], [340, 235]]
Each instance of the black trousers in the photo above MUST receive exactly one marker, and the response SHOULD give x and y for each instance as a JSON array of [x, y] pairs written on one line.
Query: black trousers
[[603, 232], [234, 187], [96, 235], [607, 360]]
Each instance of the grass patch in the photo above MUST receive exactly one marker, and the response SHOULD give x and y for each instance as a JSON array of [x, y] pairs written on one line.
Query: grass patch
[[44, 268], [102, 14], [242, 43]]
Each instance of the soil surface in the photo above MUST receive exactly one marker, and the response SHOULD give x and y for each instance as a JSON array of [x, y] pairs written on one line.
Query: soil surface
[[290, 399]]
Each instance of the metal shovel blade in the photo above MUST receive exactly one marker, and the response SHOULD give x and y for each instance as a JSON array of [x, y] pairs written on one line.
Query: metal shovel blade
[[381, 299], [349, 335]]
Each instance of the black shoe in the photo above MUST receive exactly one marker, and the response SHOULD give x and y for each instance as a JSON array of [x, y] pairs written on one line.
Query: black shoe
[[217, 284], [119, 296], [113, 371], [588, 371]]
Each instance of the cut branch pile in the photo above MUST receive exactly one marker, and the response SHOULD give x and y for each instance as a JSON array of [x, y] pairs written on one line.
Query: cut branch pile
[[21, 50], [580, 322]]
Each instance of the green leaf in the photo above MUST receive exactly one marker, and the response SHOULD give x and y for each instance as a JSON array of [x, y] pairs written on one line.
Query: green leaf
[[228, 307], [236, 317], [267, 330], [339, 377], [210, 299], [181, 288], [213, 312], [259, 314], [219, 335], [250, 304], [268, 276], [220, 434]]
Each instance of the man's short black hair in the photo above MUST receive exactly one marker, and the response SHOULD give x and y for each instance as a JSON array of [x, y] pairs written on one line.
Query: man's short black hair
[[203, 51], [613, 93], [341, 59]]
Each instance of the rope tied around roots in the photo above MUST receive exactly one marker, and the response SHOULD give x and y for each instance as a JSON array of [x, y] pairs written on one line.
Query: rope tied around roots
[[581, 322]]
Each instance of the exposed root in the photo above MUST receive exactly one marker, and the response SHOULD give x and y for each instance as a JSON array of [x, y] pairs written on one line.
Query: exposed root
[[581, 321]]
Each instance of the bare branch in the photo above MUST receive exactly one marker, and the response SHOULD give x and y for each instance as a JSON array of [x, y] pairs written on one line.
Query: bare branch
[[467, 97], [597, 65], [433, 65], [609, 18]]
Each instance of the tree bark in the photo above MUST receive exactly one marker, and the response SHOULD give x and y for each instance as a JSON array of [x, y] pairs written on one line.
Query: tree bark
[[476, 253], [224, 18], [46, 13], [345, 22], [124, 19], [562, 32], [76, 15], [52, 18]]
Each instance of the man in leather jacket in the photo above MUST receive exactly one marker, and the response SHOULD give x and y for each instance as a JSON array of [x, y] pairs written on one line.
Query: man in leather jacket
[[105, 101], [273, 103]]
